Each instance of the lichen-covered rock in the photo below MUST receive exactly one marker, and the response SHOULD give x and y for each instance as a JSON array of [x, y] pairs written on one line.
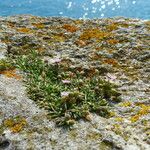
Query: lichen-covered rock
[[115, 48]]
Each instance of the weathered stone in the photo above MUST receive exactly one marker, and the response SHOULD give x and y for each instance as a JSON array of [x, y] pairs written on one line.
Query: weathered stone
[[124, 55]]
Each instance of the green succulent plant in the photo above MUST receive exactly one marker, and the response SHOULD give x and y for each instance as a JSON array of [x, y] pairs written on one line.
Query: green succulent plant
[[44, 86]]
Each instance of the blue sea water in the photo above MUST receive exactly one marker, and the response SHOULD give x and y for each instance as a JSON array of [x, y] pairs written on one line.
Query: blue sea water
[[77, 8]]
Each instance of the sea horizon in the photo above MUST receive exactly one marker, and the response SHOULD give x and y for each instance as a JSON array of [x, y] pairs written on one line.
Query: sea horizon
[[87, 9]]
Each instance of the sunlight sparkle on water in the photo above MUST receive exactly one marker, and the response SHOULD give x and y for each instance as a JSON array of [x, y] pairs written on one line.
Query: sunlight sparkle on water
[[98, 6]]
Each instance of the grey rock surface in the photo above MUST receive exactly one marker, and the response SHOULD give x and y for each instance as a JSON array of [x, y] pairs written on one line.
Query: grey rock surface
[[127, 129]]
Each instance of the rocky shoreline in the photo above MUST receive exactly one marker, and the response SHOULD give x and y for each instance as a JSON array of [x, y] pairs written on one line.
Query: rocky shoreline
[[118, 48]]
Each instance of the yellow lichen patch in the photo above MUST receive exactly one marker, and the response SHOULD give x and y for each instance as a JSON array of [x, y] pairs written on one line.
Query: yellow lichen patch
[[58, 38], [11, 74], [117, 129], [119, 119], [15, 124], [94, 34], [112, 41], [93, 136], [126, 104], [70, 28], [134, 118], [112, 114], [24, 30], [144, 110], [139, 103], [9, 122], [38, 25], [78, 22]]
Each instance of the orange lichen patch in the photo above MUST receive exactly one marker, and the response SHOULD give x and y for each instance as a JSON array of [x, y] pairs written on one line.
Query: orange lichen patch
[[116, 126], [17, 128], [80, 43], [24, 30], [38, 25], [15, 124], [112, 41], [111, 61], [94, 34], [110, 51], [7, 41], [70, 28], [126, 104], [112, 27], [40, 49], [11, 74], [95, 56], [98, 48]]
